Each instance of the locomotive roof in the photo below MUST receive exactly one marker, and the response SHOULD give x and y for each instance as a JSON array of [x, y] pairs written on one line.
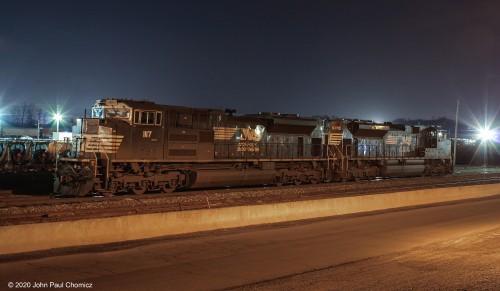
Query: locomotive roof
[[149, 105], [280, 116]]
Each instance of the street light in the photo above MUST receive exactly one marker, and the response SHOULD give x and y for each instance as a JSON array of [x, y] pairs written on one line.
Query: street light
[[38, 129], [455, 139], [1, 120], [57, 117], [486, 134]]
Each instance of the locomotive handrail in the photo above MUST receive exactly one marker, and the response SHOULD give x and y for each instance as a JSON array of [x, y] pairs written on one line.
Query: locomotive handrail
[[96, 163], [330, 153], [347, 157], [101, 145], [386, 151], [249, 150]]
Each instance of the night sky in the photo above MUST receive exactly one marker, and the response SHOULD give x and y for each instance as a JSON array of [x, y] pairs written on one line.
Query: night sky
[[377, 60]]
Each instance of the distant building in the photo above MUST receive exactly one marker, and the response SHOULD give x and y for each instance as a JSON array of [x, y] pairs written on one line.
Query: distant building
[[19, 131], [62, 136], [10, 131]]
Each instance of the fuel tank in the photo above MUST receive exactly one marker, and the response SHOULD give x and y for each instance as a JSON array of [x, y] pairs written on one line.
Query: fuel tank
[[393, 168], [231, 178]]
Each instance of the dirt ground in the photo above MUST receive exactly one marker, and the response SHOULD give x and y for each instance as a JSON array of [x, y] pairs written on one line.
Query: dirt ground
[[469, 263]]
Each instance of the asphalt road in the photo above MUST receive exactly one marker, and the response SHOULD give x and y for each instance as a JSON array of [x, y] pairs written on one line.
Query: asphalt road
[[352, 252]]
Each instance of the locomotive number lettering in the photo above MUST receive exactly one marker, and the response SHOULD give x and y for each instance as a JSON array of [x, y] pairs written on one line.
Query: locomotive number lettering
[[247, 147], [146, 133]]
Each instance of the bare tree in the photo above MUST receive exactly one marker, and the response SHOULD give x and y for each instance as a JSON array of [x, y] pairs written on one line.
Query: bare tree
[[16, 114], [24, 109], [30, 114], [40, 115], [27, 114]]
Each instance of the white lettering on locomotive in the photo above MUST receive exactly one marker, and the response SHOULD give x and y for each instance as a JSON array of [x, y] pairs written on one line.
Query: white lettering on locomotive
[[247, 147], [251, 134], [146, 133], [246, 136]]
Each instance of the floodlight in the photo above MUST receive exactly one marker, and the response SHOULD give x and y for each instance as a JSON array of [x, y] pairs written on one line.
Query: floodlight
[[57, 117], [486, 134]]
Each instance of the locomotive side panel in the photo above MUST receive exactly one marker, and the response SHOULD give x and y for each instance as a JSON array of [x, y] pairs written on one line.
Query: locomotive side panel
[[189, 137], [127, 147], [261, 137], [182, 144]]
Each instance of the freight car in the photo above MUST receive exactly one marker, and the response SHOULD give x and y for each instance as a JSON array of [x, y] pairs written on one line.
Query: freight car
[[141, 146], [26, 154]]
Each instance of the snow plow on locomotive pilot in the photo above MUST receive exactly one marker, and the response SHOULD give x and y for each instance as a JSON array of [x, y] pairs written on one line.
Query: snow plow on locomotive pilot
[[141, 146]]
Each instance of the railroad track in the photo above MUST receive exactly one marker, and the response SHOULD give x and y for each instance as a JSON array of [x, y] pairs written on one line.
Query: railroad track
[[26, 209]]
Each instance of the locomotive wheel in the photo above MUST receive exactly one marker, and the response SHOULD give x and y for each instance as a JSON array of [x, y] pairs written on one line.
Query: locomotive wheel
[[167, 188], [278, 181], [116, 187], [113, 188], [298, 180], [140, 189], [313, 181]]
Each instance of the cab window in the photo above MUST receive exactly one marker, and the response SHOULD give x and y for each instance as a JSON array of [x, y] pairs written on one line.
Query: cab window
[[117, 113], [158, 118], [147, 117]]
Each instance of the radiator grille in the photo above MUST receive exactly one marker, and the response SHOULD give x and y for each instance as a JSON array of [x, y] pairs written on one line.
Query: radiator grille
[[183, 137]]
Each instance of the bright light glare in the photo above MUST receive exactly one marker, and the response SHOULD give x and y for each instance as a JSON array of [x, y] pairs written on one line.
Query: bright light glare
[[486, 134], [57, 117]]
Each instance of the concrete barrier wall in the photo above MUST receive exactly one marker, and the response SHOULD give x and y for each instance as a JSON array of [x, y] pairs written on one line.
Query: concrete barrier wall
[[42, 236]]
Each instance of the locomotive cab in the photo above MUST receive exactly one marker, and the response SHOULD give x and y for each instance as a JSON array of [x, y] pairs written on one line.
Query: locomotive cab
[[428, 137], [120, 131]]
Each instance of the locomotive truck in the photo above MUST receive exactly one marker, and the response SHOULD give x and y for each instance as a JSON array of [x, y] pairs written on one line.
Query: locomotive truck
[[138, 146]]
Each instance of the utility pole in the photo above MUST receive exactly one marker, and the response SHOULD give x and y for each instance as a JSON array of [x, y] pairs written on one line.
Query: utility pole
[[38, 129], [455, 140]]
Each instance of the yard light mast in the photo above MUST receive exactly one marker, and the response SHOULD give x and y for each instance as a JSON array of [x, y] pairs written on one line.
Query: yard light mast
[[455, 140]]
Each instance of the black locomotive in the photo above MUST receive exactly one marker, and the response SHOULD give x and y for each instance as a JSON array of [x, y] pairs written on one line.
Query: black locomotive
[[141, 146]]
